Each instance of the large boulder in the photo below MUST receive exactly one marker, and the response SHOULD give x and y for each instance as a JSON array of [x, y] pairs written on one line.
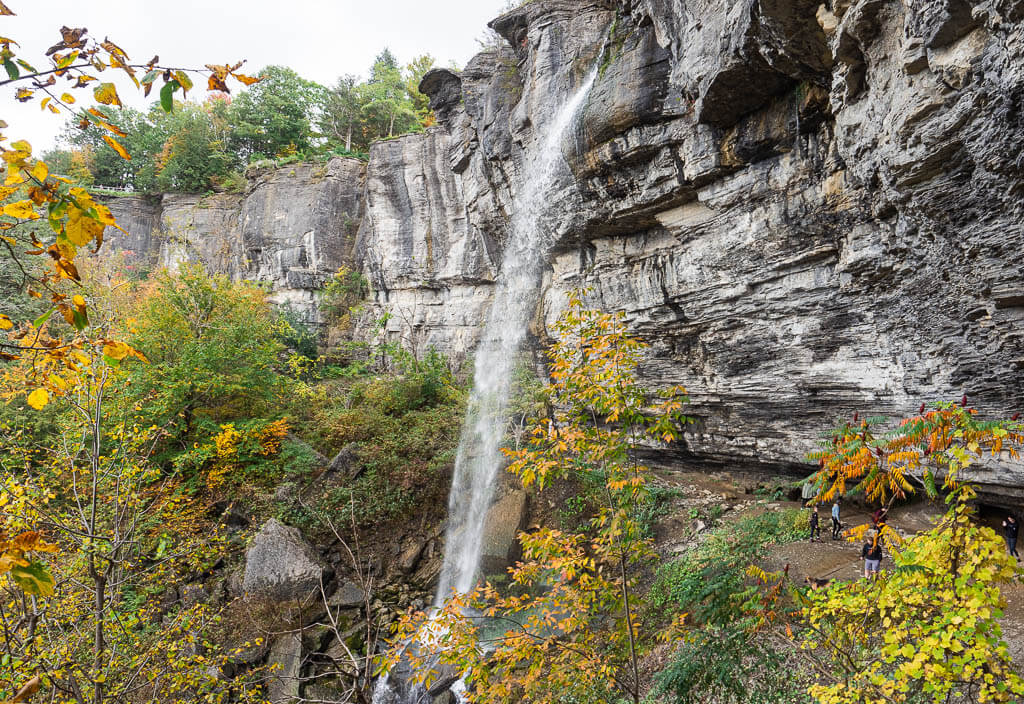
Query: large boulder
[[280, 564], [501, 530]]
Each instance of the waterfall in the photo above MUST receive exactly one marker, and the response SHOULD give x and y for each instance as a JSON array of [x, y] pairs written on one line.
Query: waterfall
[[479, 454]]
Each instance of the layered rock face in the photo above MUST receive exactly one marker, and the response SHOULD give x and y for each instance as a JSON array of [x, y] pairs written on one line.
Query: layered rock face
[[806, 209], [292, 228]]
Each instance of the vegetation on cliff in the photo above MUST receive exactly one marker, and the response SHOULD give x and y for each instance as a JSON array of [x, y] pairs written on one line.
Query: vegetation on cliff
[[209, 144]]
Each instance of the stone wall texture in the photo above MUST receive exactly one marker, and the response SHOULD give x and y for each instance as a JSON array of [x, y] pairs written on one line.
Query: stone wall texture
[[807, 209]]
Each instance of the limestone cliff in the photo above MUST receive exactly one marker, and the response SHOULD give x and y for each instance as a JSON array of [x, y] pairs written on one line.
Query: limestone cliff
[[805, 208], [292, 228]]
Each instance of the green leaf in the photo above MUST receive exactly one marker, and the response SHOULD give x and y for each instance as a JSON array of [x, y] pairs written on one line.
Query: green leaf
[[12, 70], [150, 77], [167, 95], [81, 320], [34, 579], [38, 322]]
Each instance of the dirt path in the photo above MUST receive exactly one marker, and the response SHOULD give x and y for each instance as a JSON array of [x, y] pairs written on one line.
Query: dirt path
[[729, 497]]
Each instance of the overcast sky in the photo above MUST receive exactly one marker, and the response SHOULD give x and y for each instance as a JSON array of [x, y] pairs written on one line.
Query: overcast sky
[[320, 39]]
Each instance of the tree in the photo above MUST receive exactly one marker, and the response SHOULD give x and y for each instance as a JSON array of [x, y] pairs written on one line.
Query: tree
[[572, 628], [414, 75], [88, 482], [385, 103], [927, 630], [276, 116], [194, 157], [211, 351], [342, 114]]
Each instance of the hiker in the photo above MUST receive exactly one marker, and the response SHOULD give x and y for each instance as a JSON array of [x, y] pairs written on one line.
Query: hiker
[[837, 527], [815, 530], [809, 491], [1010, 530], [879, 516], [872, 554]]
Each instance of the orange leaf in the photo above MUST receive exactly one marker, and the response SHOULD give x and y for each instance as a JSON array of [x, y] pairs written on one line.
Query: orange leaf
[[116, 146]]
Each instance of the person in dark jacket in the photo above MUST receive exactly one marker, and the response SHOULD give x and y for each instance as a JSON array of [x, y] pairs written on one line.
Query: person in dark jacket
[[872, 554], [1010, 530], [815, 529]]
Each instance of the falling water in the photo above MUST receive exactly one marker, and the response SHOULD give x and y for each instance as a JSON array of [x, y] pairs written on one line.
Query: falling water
[[479, 454]]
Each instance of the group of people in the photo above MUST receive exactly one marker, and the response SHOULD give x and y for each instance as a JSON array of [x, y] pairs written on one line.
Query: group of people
[[871, 551], [837, 526]]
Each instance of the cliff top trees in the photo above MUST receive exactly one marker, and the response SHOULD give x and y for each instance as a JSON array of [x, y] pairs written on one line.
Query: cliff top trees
[[276, 116], [199, 146]]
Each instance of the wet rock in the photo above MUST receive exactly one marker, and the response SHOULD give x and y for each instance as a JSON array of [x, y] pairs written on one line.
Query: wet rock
[[410, 556], [500, 544], [280, 564]]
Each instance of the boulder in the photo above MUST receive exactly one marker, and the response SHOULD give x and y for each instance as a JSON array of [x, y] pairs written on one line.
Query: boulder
[[501, 527], [286, 660], [280, 564], [349, 594], [346, 462]]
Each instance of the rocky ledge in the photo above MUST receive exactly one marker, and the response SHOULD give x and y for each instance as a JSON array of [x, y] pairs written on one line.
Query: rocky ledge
[[807, 209]]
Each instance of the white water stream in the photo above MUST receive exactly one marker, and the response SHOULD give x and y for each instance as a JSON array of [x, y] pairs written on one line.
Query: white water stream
[[516, 291], [479, 455]]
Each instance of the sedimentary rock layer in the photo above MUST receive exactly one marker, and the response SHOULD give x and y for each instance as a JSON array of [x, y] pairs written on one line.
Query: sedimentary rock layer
[[805, 208]]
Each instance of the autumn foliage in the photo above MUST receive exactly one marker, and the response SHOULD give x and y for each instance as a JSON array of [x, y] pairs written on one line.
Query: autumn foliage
[[567, 626]]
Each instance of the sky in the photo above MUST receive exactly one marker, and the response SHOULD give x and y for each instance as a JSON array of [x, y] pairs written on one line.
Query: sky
[[320, 39]]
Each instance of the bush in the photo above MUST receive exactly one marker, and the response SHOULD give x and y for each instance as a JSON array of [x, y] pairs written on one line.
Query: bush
[[722, 654], [403, 430]]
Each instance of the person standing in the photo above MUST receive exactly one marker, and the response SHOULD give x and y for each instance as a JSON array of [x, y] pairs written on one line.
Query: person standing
[[837, 527], [879, 517], [815, 529], [872, 554], [1010, 530]]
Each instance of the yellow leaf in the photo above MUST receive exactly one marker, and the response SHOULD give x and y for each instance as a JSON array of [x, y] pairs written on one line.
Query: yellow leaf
[[21, 209], [40, 171], [5, 322], [38, 399], [116, 350], [68, 98], [106, 93], [116, 146], [80, 228], [78, 301]]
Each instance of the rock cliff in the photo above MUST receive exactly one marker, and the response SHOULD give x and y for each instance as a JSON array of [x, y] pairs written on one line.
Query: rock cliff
[[292, 228], [805, 208]]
